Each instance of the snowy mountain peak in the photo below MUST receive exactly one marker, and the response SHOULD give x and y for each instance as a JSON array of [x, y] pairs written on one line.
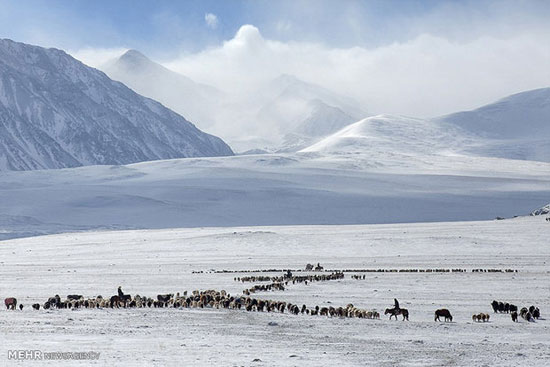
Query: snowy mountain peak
[[56, 112], [134, 58], [176, 91]]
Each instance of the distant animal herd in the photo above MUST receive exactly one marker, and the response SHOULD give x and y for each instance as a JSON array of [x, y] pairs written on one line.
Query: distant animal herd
[[223, 300]]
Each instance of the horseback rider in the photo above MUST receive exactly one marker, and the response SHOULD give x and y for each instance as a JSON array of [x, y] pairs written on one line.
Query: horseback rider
[[396, 304], [120, 293]]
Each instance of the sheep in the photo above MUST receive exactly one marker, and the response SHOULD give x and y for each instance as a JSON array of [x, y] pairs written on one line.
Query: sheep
[[525, 314], [523, 311], [480, 317]]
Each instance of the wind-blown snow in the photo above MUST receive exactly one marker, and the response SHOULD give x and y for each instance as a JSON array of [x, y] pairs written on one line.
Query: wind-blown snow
[[55, 112]]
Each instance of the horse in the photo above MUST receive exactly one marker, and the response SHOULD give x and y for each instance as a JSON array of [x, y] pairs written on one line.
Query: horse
[[114, 301], [443, 312], [125, 299], [11, 303], [397, 311]]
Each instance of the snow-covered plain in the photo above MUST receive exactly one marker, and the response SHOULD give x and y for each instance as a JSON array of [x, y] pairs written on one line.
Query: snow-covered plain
[[377, 186], [161, 261]]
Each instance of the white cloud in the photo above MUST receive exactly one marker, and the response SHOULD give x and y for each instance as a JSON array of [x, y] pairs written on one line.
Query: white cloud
[[425, 76], [428, 75], [211, 20]]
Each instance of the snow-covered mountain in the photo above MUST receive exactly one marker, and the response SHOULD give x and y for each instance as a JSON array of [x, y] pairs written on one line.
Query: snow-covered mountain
[[55, 112], [193, 100], [284, 114], [322, 121], [516, 127], [292, 104], [521, 115], [286, 88], [393, 134], [287, 114]]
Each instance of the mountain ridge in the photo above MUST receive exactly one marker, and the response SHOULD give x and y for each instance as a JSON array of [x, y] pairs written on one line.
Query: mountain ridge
[[56, 112]]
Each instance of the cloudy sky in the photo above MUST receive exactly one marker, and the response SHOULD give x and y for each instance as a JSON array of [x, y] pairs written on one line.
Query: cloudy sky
[[412, 57]]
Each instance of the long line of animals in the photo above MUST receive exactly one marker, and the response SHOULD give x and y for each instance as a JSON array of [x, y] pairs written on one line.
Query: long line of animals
[[221, 299]]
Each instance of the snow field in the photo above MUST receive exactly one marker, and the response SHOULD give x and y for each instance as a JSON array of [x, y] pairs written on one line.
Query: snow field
[[161, 261]]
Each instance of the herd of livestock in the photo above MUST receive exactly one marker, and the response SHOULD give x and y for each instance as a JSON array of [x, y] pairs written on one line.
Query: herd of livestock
[[223, 300]]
